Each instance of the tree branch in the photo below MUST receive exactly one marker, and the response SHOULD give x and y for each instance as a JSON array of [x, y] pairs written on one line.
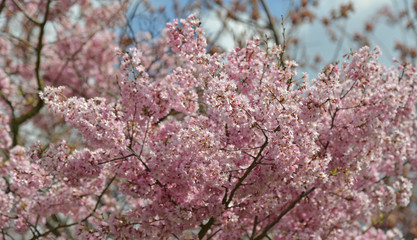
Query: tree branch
[[16, 122], [271, 21], [283, 213], [205, 227], [248, 170]]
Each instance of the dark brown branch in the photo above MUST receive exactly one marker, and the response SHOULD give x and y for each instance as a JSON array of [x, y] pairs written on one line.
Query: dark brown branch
[[212, 235], [100, 197], [129, 19], [8, 102], [172, 112], [271, 21], [205, 227], [16, 122], [283, 213], [139, 156], [50, 225], [248, 170], [226, 201], [346, 93], [255, 224], [2, 5]]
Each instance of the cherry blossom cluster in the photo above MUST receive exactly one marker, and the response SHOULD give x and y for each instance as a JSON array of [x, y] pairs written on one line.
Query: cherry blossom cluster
[[98, 121], [222, 146]]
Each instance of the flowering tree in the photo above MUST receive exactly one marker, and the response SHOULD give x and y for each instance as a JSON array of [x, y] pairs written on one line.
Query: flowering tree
[[221, 146]]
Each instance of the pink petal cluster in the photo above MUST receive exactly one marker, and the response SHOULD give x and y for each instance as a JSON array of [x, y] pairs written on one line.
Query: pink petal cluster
[[99, 123]]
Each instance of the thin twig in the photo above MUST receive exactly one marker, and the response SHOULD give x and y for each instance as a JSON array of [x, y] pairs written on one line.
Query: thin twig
[[26, 13]]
